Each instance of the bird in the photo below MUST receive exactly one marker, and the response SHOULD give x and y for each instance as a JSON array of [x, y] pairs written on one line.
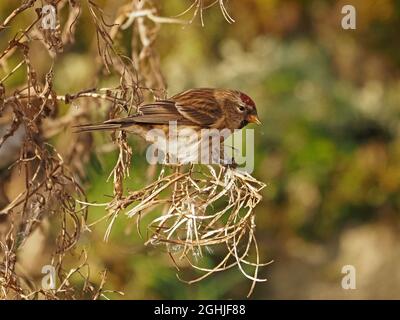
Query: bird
[[192, 111]]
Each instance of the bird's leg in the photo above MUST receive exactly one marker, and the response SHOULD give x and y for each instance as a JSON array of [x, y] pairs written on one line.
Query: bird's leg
[[228, 161]]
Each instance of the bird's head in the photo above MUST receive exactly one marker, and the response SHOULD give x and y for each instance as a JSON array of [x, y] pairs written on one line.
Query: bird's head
[[246, 109]]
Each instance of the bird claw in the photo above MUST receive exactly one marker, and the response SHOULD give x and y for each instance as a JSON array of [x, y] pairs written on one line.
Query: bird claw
[[231, 164]]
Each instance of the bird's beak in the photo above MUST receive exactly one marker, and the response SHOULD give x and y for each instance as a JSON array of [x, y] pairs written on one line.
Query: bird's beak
[[252, 118]]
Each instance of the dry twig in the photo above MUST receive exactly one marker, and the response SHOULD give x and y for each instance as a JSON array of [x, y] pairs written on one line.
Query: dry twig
[[202, 207]]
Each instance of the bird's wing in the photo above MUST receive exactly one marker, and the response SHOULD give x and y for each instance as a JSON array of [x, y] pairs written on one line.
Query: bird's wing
[[193, 107], [198, 106], [160, 112]]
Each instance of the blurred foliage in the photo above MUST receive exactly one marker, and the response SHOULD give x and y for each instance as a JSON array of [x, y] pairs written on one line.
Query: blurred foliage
[[329, 146]]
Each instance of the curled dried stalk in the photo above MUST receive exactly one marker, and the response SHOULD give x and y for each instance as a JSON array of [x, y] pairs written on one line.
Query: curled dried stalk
[[191, 225], [198, 6], [51, 180]]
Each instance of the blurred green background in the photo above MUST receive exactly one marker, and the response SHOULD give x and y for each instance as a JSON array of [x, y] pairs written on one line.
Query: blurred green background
[[329, 147]]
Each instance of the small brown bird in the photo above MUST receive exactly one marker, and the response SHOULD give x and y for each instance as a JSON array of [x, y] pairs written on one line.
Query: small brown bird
[[197, 109]]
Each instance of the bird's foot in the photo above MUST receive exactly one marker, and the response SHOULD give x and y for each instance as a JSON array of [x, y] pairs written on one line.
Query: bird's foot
[[229, 163]]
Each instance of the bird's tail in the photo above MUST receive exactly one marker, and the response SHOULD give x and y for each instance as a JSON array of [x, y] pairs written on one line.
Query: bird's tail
[[97, 127], [113, 124]]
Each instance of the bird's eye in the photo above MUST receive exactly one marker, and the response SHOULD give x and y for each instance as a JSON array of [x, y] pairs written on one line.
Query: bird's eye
[[241, 108]]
